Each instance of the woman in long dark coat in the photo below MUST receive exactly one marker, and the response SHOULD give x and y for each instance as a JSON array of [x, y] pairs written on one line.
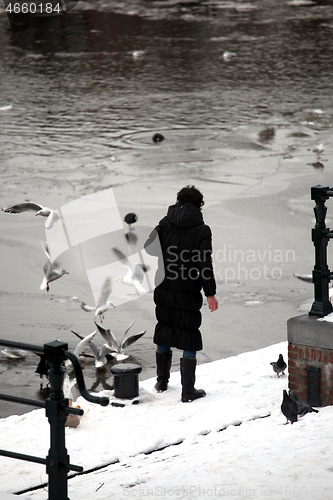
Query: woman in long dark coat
[[186, 243]]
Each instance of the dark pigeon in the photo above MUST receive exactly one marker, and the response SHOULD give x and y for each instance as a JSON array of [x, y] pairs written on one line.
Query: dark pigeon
[[303, 408], [43, 366], [279, 366], [289, 408]]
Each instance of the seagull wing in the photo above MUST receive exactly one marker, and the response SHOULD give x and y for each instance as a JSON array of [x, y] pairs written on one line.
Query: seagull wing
[[23, 207], [51, 274], [106, 349], [83, 343], [105, 292], [78, 335], [87, 308], [94, 349], [46, 250], [121, 256], [304, 277], [128, 328], [43, 284], [53, 271], [108, 337], [47, 268], [138, 273], [51, 219], [131, 339]]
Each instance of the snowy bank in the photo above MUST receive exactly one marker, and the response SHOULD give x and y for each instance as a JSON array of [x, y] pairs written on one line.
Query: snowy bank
[[203, 449]]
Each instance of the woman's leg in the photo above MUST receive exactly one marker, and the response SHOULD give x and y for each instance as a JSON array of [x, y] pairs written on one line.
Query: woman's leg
[[188, 365], [189, 354], [163, 348], [163, 365]]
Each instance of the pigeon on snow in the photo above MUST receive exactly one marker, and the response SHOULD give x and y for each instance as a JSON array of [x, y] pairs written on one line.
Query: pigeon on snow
[[303, 408], [279, 366], [289, 408]]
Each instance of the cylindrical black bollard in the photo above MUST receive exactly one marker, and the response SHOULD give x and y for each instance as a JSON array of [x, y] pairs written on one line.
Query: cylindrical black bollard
[[126, 380]]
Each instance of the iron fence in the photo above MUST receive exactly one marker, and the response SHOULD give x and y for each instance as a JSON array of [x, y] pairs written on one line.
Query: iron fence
[[57, 409]]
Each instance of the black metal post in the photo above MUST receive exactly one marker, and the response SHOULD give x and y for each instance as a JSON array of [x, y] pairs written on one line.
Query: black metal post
[[57, 409], [57, 459], [320, 236]]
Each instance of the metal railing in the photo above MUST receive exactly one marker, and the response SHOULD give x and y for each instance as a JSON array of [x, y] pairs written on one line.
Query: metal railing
[[57, 409], [321, 275]]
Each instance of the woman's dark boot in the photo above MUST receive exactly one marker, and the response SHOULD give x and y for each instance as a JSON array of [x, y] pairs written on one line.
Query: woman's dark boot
[[187, 371], [163, 364]]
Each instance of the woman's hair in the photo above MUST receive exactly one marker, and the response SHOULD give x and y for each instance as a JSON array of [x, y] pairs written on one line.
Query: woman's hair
[[190, 194]]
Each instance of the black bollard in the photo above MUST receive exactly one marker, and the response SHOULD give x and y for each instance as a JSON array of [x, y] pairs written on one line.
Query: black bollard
[[126, 380]]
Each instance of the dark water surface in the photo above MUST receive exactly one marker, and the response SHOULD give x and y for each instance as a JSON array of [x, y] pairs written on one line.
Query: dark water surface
[[76, 99], [82, 90]]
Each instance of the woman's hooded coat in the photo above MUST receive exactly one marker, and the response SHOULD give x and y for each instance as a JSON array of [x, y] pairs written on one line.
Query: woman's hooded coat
[[186, 243]]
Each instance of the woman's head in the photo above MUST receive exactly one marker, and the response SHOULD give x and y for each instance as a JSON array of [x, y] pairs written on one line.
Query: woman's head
[[190, 194]]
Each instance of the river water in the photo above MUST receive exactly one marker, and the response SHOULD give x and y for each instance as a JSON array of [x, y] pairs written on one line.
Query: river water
[[81, 95]]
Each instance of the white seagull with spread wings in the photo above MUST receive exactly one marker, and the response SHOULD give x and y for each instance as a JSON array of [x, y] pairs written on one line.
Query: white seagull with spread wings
[[134, 275], [100, 355], [117, 350], [79, 350], [52, 269], [103, 304], [28, 206]]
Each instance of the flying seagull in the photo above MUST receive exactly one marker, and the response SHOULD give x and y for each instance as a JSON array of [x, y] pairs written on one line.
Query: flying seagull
[[134, 275], [52, 215], [52, 270], [279, 366], [303, 408], [117, 350], [103, 304], [83, 344], [99, 354], [289, 408]]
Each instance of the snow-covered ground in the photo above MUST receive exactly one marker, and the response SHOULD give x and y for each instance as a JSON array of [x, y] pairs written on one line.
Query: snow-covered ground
[[231, 444]]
